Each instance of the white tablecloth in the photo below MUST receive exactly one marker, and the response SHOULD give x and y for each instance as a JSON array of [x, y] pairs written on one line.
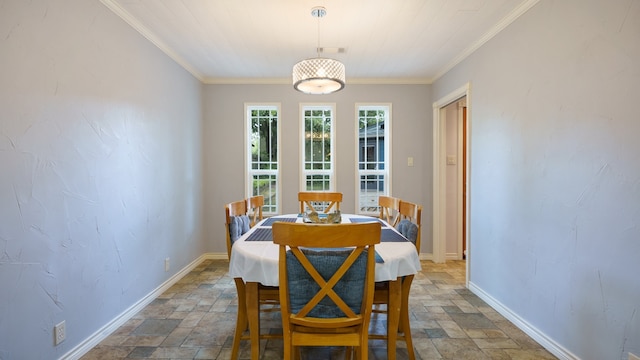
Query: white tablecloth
[[257, 261]]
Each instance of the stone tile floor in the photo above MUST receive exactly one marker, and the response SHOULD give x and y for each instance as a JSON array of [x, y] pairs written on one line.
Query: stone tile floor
[[195, 319]]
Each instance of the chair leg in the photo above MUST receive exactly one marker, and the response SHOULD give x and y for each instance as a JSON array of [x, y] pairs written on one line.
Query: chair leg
[[290, 351], [241, 320], [405, 325], [253, 316], [362, 352], [393, 316]]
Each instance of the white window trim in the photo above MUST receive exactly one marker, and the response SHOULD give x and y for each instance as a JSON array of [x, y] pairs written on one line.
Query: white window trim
[[387, 154], [332, 172], [247, 152]]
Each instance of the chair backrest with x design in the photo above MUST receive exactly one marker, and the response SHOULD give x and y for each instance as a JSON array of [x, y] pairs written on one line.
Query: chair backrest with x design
[[389, 209], [319, 201], [326, 283], [254, 208]]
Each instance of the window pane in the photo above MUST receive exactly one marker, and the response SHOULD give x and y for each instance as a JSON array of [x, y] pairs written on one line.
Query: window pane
[[318, 183], [266, 185], [372, 154], [317, 163], [371, 187], [262, 128]]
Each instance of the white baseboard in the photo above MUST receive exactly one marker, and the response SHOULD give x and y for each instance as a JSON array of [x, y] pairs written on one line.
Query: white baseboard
[[215, 256], [553, 347], [93, 340]]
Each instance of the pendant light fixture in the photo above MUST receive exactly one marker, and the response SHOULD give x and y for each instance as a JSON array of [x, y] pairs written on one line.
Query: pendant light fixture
[[318, 75]]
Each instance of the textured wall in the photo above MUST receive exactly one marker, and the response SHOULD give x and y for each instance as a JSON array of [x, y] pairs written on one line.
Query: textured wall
[[555, 176], [100, 174]]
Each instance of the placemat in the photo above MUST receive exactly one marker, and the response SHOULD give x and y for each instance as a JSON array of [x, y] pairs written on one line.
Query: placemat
[[261, 234], [389, 235], [362, 220], [271, 220]]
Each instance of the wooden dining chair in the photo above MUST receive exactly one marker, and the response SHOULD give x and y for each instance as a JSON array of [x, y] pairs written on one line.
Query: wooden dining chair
[[411, 212], [389, 209], [319, 201], [254, 208], [326, 278], [237, 224], [409, 225]]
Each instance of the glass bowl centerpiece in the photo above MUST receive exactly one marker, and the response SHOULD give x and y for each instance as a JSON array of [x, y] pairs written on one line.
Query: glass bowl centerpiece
[[313, 217]]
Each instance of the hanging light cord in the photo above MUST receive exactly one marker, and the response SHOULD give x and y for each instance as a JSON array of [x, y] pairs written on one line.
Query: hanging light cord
[[318, 12], [318, 45]]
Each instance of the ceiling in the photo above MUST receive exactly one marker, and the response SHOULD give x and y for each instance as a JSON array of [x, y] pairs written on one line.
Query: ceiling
[[259, 41]]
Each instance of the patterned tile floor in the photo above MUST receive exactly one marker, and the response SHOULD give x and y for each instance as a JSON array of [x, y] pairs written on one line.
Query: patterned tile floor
[[195, 319]]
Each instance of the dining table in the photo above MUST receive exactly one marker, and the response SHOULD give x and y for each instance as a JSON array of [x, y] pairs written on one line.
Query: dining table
[[254, 259]]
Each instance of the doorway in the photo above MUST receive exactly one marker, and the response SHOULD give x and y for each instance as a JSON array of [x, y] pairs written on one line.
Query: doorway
[[456, 102]]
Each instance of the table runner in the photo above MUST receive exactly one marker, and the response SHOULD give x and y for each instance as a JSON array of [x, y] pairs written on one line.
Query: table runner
[[265, 234]]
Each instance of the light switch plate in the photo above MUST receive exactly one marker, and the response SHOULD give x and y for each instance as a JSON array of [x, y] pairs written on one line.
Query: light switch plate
[[410, 161]]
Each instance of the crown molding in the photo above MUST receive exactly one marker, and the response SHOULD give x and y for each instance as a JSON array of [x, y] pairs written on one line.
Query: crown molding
[[144, 31], [287, 81], [246, 81], [389, 81]]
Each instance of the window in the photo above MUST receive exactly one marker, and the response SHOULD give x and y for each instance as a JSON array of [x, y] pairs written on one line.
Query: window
[[263, 155], [317, 139], [374, 154]]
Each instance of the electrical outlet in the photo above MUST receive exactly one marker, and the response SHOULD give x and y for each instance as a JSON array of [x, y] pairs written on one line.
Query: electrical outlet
[[166, 264], [59, 333], [633, 357]]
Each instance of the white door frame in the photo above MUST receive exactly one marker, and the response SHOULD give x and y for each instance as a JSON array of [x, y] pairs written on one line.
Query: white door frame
[[461, 208], [439, 172]]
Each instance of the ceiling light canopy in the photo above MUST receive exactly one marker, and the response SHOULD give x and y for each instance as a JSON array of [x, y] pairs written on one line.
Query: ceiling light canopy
[[318, 75]]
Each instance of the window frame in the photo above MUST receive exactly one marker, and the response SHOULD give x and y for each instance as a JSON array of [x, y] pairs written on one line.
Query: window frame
[[387, 171], [302, 150], [249, 172]]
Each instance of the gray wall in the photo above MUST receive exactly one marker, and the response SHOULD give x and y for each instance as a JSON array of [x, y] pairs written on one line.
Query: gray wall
[[555, 176], [100, 154], [224, 155]]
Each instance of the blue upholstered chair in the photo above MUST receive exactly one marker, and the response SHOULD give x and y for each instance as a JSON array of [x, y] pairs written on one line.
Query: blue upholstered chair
[[326, 277], [408, 229], [409, 219], [237, 224]]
